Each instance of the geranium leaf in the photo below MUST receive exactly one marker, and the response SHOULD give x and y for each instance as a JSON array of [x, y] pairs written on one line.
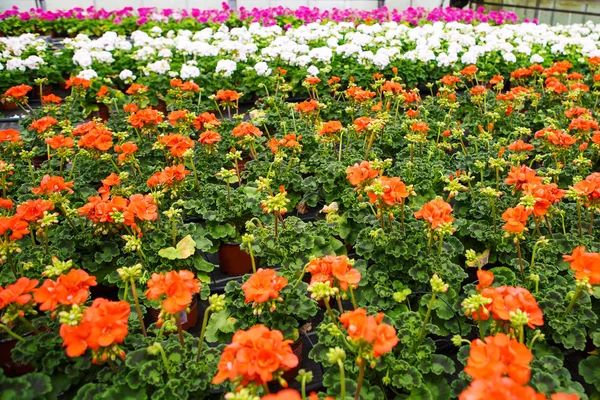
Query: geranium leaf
[[185, 248]]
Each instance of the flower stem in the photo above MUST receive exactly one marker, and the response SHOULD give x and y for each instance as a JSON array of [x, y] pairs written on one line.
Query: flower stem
[[252, 258], [195, 173], [520, 259], [579, 218], [361, 377], [203, 331], [574, 299], [163, 355], [425, 322], [549, 226], [28, 324], [179, 328], [342, 380], [352, 297], [326, 301], [11, 333], [137, 306]]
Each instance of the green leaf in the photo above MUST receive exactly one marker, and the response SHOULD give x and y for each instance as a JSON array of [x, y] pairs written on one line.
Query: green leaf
[[219, 323], [590, 370], [441, 364], [185, 248], [202, 265]]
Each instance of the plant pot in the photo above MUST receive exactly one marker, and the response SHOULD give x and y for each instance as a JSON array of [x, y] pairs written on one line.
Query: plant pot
[[8, 106], [103, 112], [298, 350], [10, 367], [188, 320], [35, 93], [162, 107], [233, 261], [38, 161], [242, 163]]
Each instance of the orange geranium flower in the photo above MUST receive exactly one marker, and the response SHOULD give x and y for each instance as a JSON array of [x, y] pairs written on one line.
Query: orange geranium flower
[[392, 87], [450, 80], [6, 204], [10, 135], [246, 129], [496, 79], [518, 176], [469, 70], [177, 144], [363, 123], [516, 218], [32, 210], [17, 92], [209, 138], [419, 127], [176, 116], [499, 356], [311, 80], [206, 120], [545, 196], [478, 90], [126, 149], [499, 389], [508, 299], [100, 209], [69, 289], [361, 174], [289, 394], [51, 99], [41, 125], [583, 124], [169, 175], [177, 287], [15, 224], [586, 265], [58, 141], [144, 118], [255, 355], [137, 88], [77, 82], [394, 191], [98, 138], [485, 278], [130, 108], [436, 212], [520, 145], [338, 271], [20, 292], [307, 106], [262, 286], [330, 128], [227, 96], [104, 324], [102, 92], [367, 329], [53, 184], [141, 208]]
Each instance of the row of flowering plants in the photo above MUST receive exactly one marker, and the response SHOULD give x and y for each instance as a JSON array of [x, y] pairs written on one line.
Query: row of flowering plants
[[246, 57], [439, 242], [94, 21]]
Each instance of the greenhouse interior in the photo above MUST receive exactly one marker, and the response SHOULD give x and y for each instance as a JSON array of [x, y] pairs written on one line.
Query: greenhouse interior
[[300, 200]]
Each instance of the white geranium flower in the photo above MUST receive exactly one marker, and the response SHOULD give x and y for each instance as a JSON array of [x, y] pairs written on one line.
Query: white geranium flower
[[88, 74], [312, 70], [226, 67], [536, 59], [262, 69], [189, 71]]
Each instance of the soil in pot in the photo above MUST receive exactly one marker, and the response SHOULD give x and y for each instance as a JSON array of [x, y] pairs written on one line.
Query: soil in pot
[[188, 320], [11, 368], [38, 161], [234, 261]]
